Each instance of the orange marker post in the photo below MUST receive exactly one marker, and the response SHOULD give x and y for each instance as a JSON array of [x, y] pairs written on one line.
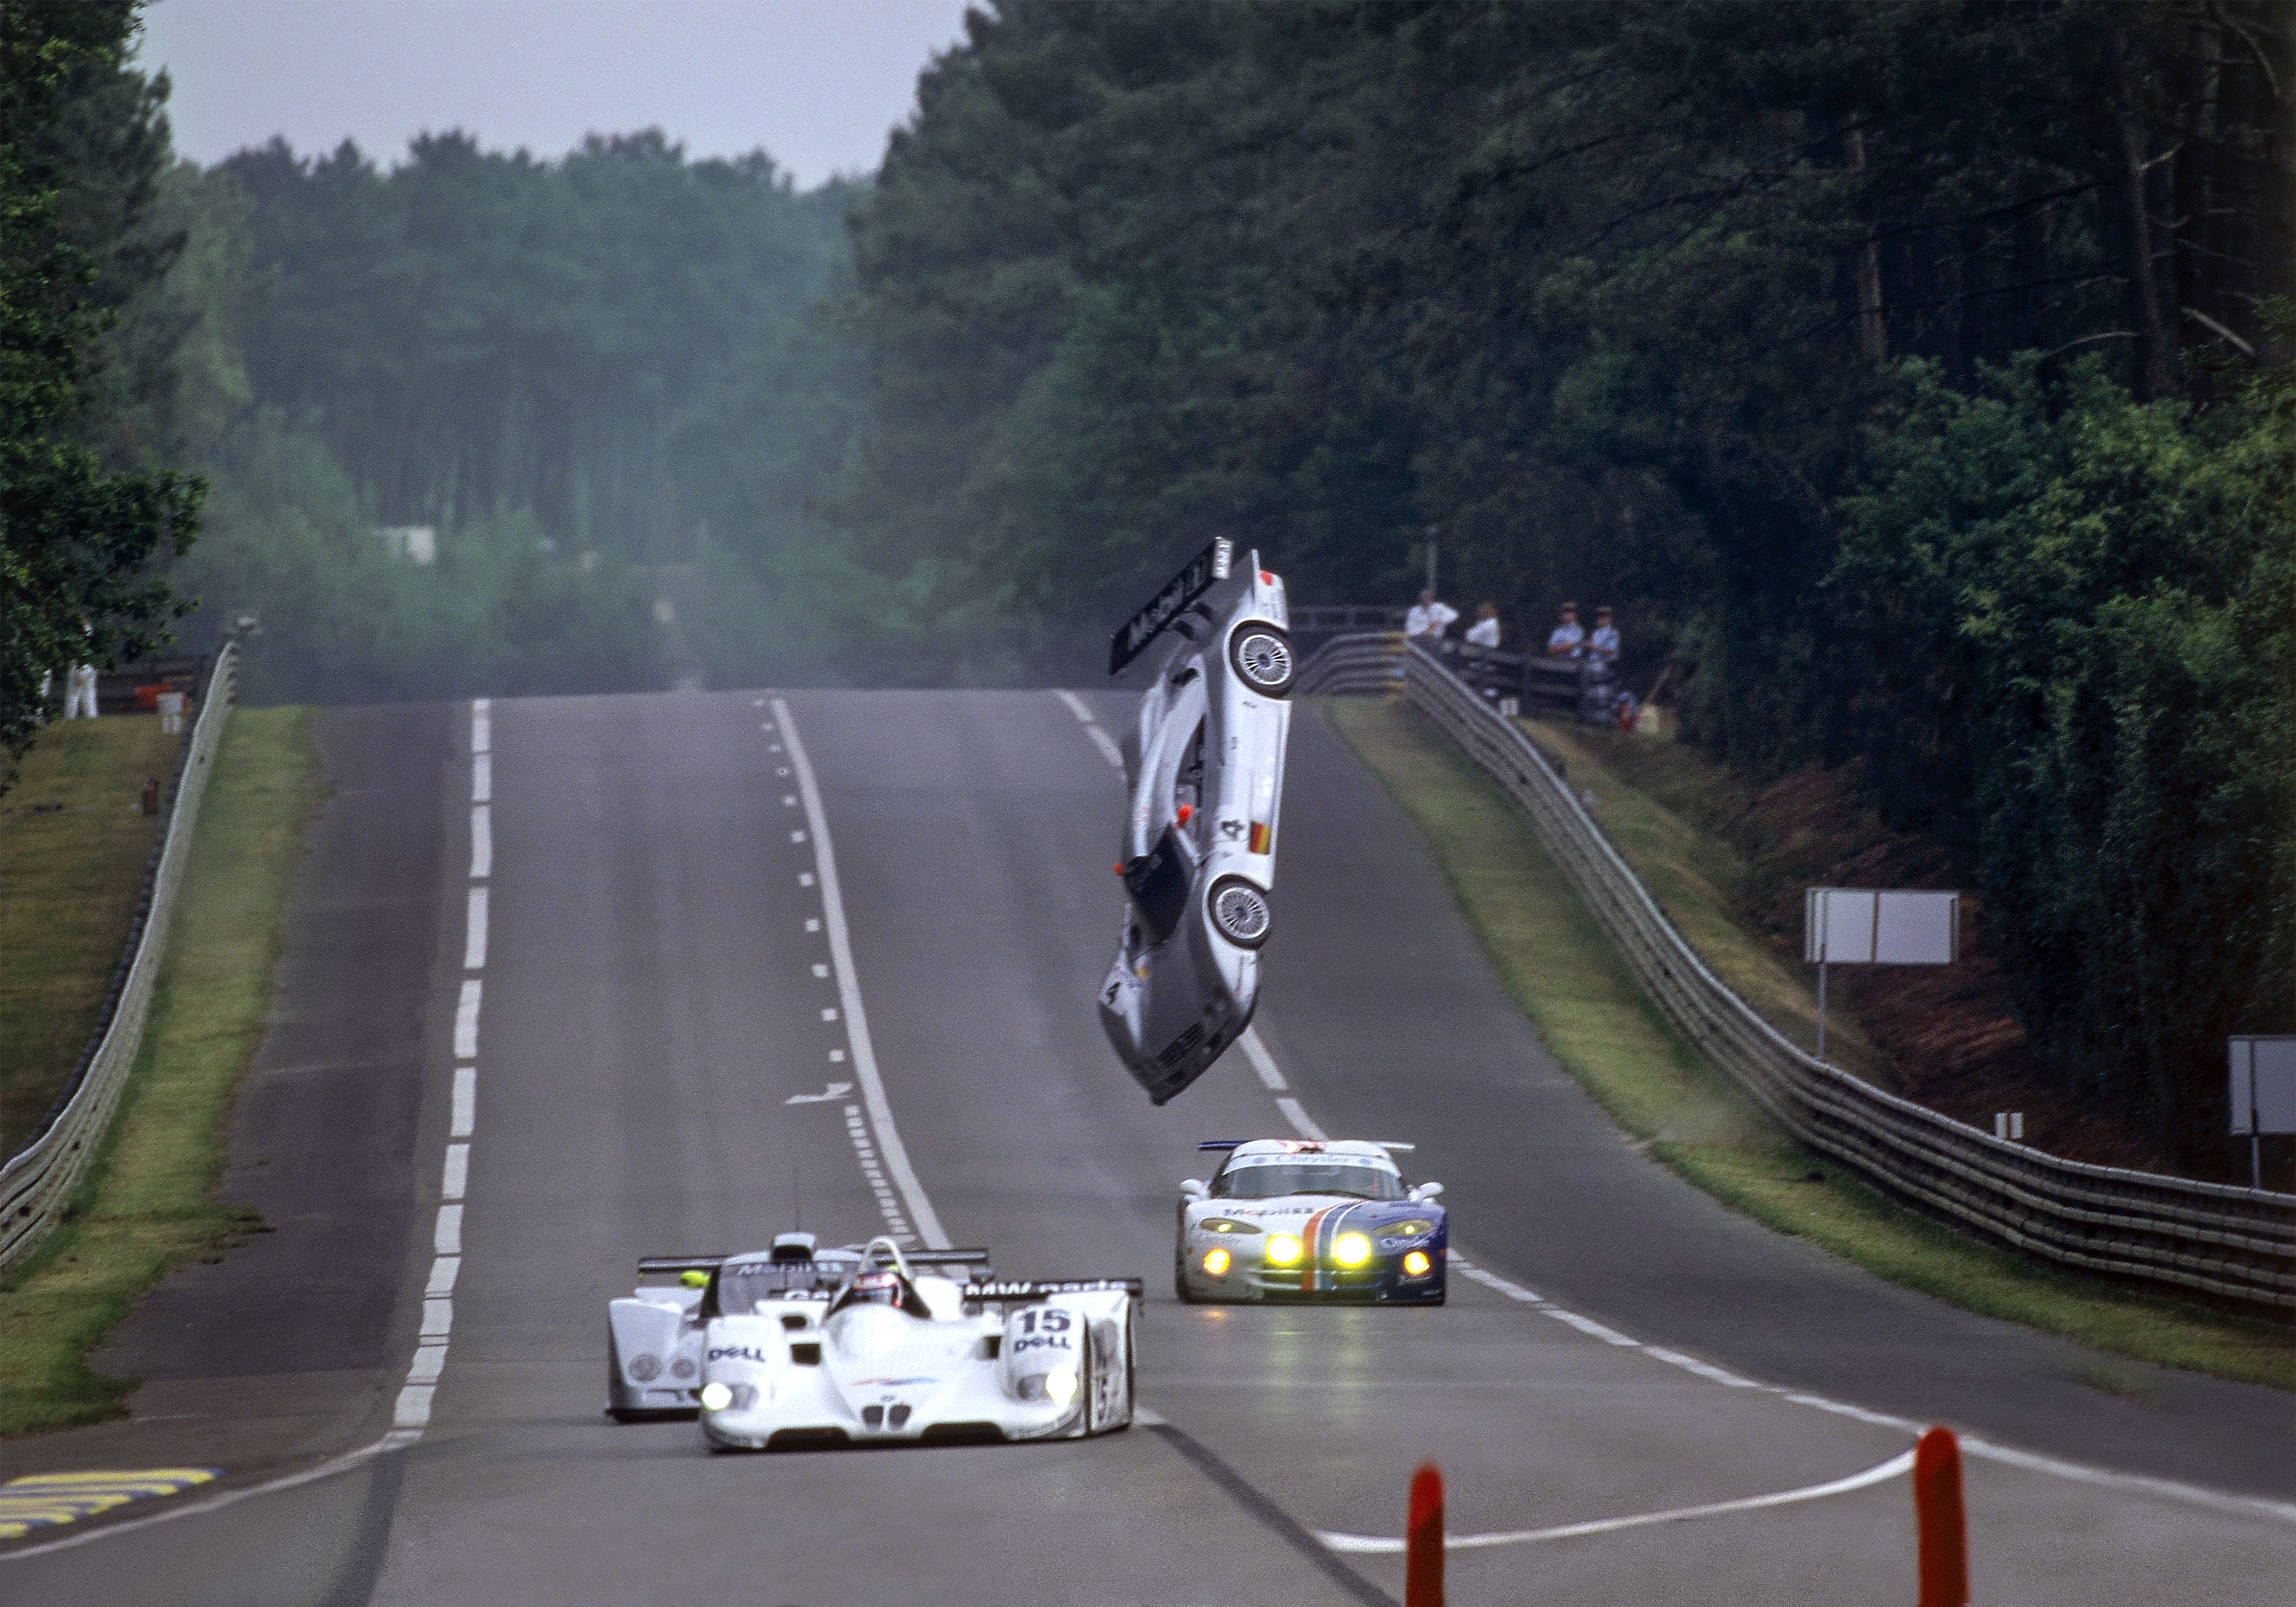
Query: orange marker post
[[1422, 1553], [1938, 1514]]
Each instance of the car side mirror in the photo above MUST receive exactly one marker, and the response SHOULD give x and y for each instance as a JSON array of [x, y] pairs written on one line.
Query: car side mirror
[[1427, 1191], [1194, 1188]]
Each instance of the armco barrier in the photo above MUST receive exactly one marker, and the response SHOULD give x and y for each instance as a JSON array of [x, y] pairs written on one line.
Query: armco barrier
[[37, 1181], [2233, 1246]]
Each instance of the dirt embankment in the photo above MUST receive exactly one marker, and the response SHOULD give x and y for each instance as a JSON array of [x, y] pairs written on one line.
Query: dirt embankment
[[1951, 1038]]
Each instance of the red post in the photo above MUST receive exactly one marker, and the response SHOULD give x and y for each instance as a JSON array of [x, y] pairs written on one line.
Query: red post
[[1938, 1514], [1422, 1555]]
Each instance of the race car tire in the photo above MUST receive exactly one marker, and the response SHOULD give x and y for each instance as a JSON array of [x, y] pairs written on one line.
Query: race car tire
[[1180, 1289], [1239, 911], [1261, 655]]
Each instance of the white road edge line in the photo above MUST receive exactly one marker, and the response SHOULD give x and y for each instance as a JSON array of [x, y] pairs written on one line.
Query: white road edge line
[[1100, 740], [474, 930], [482, 842], [1297, 1115], [1271, 1077], [1381, 1544], [848, 993]]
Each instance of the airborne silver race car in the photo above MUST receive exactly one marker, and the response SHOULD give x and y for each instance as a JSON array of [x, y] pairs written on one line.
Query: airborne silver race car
[[1293, 1219], [1207, 770], [802, 1347]]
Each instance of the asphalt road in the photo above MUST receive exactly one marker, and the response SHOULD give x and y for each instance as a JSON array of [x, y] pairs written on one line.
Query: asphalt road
[[657, 971]]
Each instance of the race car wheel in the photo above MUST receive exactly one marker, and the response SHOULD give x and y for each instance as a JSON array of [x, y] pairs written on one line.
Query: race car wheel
[[1240, 912], [1180, 1289], [1262, 657]]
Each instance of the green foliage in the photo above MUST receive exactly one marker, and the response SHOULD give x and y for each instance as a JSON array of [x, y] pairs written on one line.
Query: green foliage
[[77, 539]]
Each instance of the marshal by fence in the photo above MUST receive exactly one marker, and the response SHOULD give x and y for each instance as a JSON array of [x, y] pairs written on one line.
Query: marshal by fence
[[2232, 1246], [37, 1181]]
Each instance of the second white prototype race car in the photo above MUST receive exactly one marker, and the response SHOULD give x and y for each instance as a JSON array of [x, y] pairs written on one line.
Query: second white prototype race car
[[1206, 772], [799, 1346]]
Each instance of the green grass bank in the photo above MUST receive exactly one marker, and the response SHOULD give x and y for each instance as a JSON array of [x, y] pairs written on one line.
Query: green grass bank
[[148, 1203], [1605, 1032]]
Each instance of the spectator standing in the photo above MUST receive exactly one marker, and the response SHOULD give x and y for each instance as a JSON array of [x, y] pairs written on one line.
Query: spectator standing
[[1603, 645], [1485, 631], [171, 711], [1429, 617], [1566, 640], [79, 690]]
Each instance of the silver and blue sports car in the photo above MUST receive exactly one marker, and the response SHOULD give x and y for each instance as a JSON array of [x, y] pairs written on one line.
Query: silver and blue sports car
[[1300, 1219]]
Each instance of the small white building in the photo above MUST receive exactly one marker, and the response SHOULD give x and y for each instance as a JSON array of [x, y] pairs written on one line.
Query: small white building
[[411, 543]]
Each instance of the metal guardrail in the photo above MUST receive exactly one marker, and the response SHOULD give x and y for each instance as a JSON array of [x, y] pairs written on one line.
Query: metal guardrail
[[2235, 1246], [37, 1181]]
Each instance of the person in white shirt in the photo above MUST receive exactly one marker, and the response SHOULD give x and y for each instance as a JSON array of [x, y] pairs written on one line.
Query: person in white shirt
[[1429, 617], [1566, 640], [1485, 631], [79, 690], [1602, 645]]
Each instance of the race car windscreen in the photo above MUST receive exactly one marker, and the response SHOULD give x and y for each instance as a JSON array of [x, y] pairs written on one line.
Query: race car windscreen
[[741, 1285], [1158, 881], [1271, 1181]]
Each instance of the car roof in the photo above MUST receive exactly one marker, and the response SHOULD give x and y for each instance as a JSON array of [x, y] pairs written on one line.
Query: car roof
[[1356, 1151]]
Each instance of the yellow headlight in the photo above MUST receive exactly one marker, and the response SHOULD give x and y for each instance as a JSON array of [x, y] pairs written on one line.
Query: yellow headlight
[[1283, 1250], [1216, 1263], [1352, 1250], [1415, 1264]]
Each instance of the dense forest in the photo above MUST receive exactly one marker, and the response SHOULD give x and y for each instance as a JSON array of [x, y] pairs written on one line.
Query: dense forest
[[1912, 375]]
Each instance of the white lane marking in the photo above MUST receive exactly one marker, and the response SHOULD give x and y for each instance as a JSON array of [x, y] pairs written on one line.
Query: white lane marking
[[482, 842], [789, 801], [437, 1317], [1100, 740], [1297, 1115], [829, 1013], [1382, 1544], [1263, 1063], [812, 924], [848, 992], [466, 1021], [447, 1238], [820, 970], [887, 1205], [1491, 1280], [2250, 1506], [430, 1361], [457, 1176], [833, 1091], [482, 778], [442, 1275], [797, 836], [467, 1101], [1588, 1326], [413, 1408], [805, 878], [482, 729], [474, 931], [1706, 1370], [837, 1057]]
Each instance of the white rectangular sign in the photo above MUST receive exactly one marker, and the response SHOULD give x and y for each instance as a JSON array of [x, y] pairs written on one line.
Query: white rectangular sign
[[2263, 1084], [1862, 926]]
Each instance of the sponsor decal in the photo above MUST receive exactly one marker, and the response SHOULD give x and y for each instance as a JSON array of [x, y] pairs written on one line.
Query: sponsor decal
[[1263, 838], [890, 1383], [1191, 583], [737, 1353], [1042, 1341]]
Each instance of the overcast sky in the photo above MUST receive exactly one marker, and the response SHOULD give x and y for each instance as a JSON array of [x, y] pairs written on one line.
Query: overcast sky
[[817, 83]]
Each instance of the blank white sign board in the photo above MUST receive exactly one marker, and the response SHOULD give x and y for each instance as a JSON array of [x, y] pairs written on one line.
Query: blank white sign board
[[2263, 1084], [1864, 926]]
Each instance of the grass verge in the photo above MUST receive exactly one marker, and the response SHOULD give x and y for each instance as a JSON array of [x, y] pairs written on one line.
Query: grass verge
[[73, 844], [148, 1203], [1602, 1028]]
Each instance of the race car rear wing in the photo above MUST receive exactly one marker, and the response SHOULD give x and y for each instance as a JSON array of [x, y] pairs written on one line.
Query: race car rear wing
[[1038, 1288], [1196, 578], [673, 1265]]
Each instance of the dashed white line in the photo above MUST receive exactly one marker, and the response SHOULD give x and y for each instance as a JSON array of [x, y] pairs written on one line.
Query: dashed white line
[[443, 1269], [474, 931], [919, 1207], [1100, 740], [456, 1175], [447, 1238], [466, 1020], [482, 778], [465, 1103], [482, 842]]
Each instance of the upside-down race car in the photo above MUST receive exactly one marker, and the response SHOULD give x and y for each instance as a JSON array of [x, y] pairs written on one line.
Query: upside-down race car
[[802, 1347], [1207, 770], [1291, 1220]]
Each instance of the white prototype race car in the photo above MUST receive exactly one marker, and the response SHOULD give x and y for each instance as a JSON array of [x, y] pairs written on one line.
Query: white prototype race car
[[1206, 772], [798, 1347]]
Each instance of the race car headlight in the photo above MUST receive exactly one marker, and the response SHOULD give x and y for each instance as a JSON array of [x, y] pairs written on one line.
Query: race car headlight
[[1415, 1264], [716, 1397], [1408, 1230], [1061, 1385], [1352, 1250], [1283, 1250], [1225, 1224], [1216, 1263]]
